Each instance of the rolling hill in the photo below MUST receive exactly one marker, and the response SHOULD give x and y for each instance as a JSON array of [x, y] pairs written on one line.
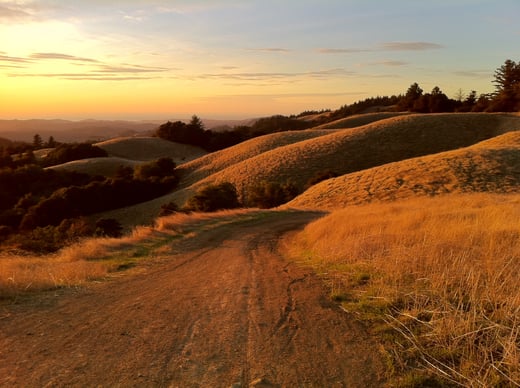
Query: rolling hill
[[150, 148], [299, 156], [489, 166], [129, 152], [355, 149], [96, 166]]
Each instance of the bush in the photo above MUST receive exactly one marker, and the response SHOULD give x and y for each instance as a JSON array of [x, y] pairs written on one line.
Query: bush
[[108, 227], [271, 194], [69, 152], [213, 198]]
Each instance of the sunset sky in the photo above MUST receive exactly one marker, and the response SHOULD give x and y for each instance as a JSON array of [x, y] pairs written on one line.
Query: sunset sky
[[138, 59]]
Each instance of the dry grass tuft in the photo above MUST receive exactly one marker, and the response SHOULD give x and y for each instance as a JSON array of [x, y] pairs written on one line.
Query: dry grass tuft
[[443, 272]]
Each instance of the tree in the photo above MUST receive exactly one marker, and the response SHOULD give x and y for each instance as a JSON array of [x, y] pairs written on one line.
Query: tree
[[507, 85], [413, 94], [37, 142], [51, 143]]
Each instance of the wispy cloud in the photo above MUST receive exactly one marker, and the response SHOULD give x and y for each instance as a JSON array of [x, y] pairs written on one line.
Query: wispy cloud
[[130, 69], [390, 63], [13, 12], [61, 56], [96, 69], [275, 76], [387, 46], [474, 73], [341, 50], [80, 76], [270, 49], [410, 46], [7, 58]]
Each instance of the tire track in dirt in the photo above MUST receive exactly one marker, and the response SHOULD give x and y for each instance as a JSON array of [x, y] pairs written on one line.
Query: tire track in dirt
[[224, 310]]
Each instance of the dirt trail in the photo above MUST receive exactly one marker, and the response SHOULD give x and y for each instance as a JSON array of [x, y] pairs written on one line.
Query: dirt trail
[[225, 310]]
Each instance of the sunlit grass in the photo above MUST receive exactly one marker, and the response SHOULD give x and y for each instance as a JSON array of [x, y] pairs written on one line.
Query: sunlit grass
[[97, 258], [443, 273]]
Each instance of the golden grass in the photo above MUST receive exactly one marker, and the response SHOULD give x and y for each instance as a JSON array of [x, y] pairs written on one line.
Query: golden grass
[[150, 148], [350, 150], [488, 166], [359, 120], [300, 155], [96, 166], [97, 258], [444, 272], [74, 265], [220, 160]]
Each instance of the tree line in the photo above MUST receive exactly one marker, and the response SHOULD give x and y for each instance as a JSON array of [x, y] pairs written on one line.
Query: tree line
[[505, 98]]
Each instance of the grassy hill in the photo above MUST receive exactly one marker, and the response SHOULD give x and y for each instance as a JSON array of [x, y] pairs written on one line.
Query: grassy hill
[[96, 166], [489, 166], [149, 148], [355, 149], [209, 164], [360, 119], [129, 152], [299, 156]]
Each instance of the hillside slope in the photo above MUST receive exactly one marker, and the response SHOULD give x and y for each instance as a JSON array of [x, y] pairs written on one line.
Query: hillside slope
[[356, 149], [150, 148], [360, 119], [214, 162], [270, 158], [96, 166], [490, 166]]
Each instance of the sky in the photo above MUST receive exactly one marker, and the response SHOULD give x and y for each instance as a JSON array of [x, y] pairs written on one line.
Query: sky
[[140, 60]]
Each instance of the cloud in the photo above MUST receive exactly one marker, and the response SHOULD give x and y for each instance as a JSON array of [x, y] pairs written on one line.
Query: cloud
[[474, 73], [13, 12], [130, 69], [389, 63], [387, 46], [410, 46], [81, 76], [341, 50], [270, 78], [97, 70], [6, 58], [271, 49], [61, 56]]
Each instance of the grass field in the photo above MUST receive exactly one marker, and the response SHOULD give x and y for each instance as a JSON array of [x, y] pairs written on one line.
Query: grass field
[[443, 273], [488, 166], [350, 150]]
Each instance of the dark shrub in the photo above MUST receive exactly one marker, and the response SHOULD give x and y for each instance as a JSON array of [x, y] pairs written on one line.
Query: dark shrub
[[108, 227], [214, 197], [271, 194]]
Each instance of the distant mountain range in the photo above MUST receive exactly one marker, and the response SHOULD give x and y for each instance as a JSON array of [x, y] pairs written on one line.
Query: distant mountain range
[[96, 130]]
